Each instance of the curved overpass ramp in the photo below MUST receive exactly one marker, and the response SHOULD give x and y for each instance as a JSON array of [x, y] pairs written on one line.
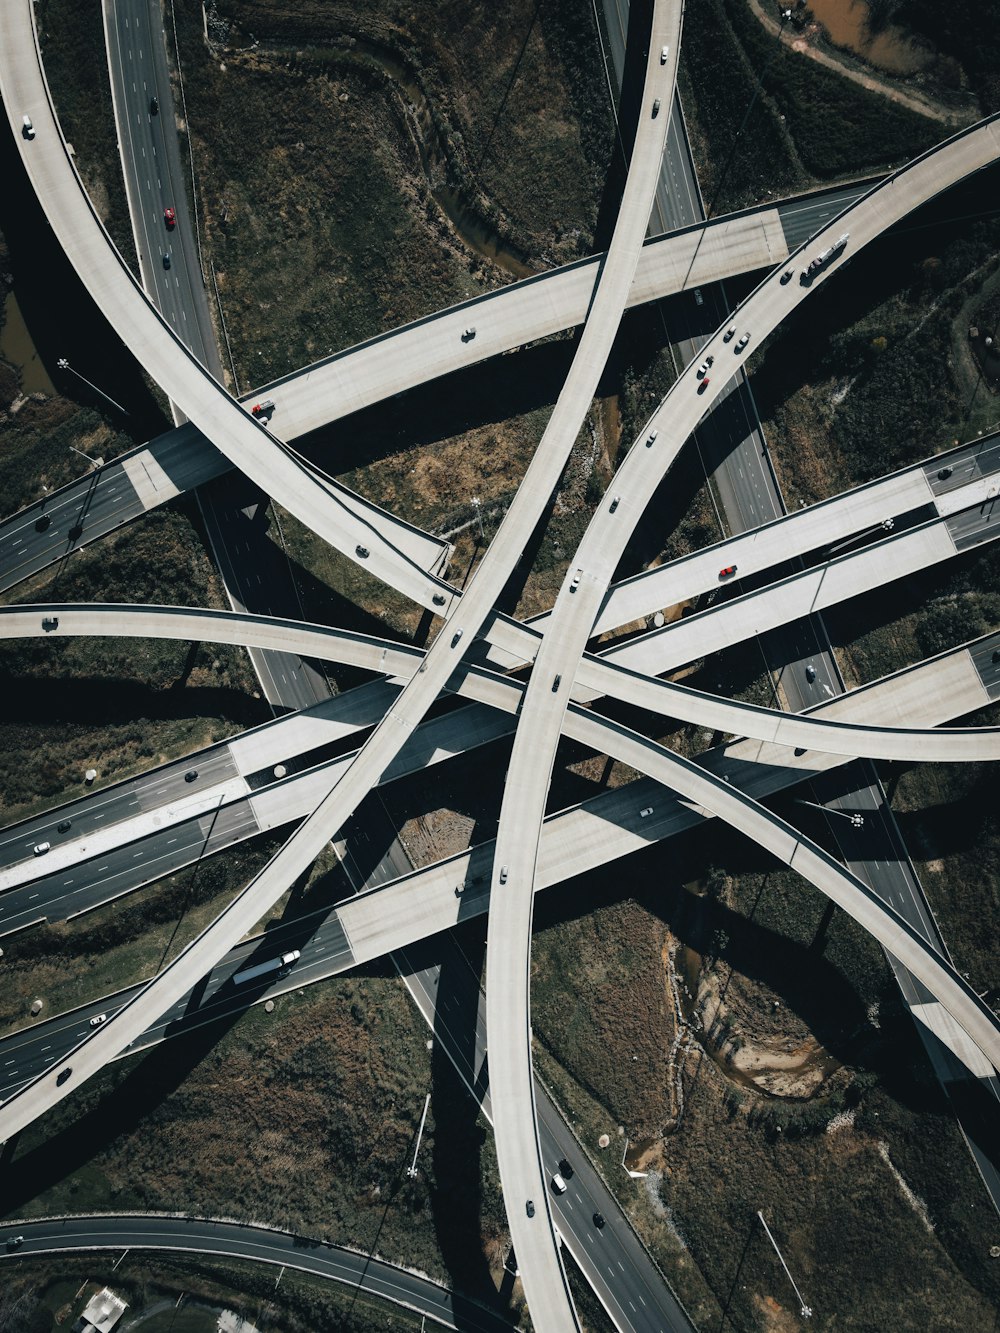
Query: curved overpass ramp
[[508, 957], [281, 473], [203, 1236]]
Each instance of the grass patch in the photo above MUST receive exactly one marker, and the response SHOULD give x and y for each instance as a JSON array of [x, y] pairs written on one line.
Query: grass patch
[[840, 1213], [70, 963], [883, 354], [119, 705], [71, 33], [948, 817], [810, 125], [325, 1097], [402, 148]]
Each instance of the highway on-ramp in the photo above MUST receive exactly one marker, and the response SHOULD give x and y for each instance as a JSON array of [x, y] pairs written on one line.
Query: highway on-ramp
[[244, 439], [208, 1237]]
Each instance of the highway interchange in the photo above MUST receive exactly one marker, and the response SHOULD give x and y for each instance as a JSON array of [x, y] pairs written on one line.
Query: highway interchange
[[558, 650]]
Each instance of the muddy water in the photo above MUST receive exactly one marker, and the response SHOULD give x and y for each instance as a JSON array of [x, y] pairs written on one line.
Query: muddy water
[[17, 348], [891, 49], [469, 226]]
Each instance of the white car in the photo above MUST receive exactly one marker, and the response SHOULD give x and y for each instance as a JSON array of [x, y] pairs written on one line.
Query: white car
[[98, 1019], [27, 129], [729, 334], [664, 53], [742, 343], [705, 366], [41, 848]]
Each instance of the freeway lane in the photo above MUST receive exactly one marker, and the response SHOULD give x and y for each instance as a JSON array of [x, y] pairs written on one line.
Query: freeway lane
[[205, 805], [186, 382], [163, 786], [522, 1173], [155, 181], [151, 168], [315, 396], [234, 1240], [574, 841], [613, 1260]]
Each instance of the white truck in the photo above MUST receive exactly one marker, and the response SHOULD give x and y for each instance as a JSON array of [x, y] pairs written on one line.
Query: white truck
[[828, 253], [262, 969]]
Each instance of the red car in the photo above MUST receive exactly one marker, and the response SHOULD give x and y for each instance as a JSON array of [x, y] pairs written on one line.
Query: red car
[[170, 218], [728, 572]]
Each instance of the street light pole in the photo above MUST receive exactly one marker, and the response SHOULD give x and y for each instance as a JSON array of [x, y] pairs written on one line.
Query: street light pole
[[479, 515], [94, 462], [411, 1170], [63, 364], [857, 820], [804, 1309]]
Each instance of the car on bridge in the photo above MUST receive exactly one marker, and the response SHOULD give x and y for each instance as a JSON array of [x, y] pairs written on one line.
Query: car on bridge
[[727, 572], [170, 218]]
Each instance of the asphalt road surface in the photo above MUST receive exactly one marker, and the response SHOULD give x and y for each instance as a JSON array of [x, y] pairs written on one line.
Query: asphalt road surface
[[749, 496], [259, 578], [202, 1236]]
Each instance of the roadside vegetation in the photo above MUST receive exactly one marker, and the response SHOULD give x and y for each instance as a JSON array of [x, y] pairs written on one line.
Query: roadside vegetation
[[802, 1090], [118, 705], [39, 430], [185, 1294], [878, 372], [972, 46], [325, 1096], [68, 963], [809, 125], [357, 170], [71, 33]]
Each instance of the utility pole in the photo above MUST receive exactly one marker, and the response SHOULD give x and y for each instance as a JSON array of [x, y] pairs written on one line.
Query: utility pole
[[411, 1170], [804, 1310]]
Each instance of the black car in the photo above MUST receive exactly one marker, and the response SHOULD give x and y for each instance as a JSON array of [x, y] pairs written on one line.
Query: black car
[[565, 1169], [65, 826], [810, 673], [154, 107], [64, 1075], [43, 523], [599, 1221], [529, 1208], [191, 775], [166, 261]]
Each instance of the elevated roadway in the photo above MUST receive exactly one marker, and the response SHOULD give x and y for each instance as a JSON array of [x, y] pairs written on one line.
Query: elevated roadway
[[508, 956], [184, 459], [204, 1236], [813, 589], [200, 792], [244, 439], [401, 719], [612, 824]]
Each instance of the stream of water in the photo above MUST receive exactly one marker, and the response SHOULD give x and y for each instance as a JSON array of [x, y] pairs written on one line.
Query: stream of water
[[891, 48], [17, 347]]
